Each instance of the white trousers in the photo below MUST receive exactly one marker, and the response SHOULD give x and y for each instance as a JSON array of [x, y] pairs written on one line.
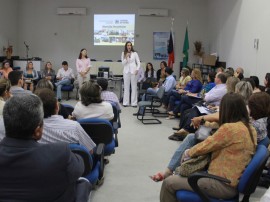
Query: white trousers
[[130, 79]]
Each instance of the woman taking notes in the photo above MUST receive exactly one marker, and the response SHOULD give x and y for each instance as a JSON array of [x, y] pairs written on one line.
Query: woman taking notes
[[131, 64]]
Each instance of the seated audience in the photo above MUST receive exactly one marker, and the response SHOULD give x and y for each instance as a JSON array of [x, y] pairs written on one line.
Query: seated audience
[[220, 69], [229, 71], [64, 77], [259, 111], [6, 69], [168, 85], [48, 73], [91, 104], [108, 95], [257, 87], [30, 171], [17, 82], [149, 71], [235, 134], [184, 79], [4, 93], [58, 129], [267, 83], [193, 86], [30, 77], [43, 83], [239, 73], [212, 98], [161, 72]]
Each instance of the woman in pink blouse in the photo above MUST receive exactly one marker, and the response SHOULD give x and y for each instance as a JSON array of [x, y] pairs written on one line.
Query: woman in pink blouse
[[234, 143], [83, 65]]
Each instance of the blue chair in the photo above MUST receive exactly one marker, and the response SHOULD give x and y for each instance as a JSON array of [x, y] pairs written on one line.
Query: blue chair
[[93, 169], [101, 132], [247, 183], [116, 122], [68, 88], [69, 108]]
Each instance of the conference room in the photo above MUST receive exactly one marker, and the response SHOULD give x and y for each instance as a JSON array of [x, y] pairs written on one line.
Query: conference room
[[235, 32]]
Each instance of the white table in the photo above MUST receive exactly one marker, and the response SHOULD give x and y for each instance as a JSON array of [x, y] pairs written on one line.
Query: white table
[[115, 67]]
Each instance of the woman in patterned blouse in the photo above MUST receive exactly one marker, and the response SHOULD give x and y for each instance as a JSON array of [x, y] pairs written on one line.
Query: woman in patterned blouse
[[233, 143]]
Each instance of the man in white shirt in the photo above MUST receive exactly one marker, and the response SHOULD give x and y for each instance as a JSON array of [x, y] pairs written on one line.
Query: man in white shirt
[[64, 76], [58, 129]]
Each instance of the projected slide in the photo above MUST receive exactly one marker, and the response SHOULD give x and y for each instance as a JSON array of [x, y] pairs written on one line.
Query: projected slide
[[113, 30]]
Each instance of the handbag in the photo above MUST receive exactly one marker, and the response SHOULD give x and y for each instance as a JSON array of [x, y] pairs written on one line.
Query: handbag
[[203, 132], [193, 165]]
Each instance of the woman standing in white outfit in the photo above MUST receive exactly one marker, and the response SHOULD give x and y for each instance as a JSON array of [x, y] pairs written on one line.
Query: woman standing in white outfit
[[131, 63], [83, 65]]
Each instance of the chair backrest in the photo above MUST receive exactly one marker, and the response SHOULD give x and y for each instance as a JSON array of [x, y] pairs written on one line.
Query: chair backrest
[[251, 176], [100, 130], [69, 108], [116, 117], [160, 92], [84, 153]]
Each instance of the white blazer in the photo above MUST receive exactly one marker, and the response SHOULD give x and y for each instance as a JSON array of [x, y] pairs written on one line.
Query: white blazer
[[131, 64]]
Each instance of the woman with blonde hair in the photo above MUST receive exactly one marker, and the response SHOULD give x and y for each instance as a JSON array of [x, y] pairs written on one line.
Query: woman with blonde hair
[[30, 76], [230, 83], [184, 79], [193, 86]]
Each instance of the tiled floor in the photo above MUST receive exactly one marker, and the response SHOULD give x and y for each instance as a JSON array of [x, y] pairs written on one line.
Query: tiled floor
[[143, 150]]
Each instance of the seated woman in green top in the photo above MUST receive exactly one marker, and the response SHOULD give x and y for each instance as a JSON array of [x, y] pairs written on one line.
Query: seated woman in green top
[[30, 77]]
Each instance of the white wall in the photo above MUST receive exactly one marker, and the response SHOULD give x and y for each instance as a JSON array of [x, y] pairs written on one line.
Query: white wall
[[8, 25], [233, 25], [56, 38]]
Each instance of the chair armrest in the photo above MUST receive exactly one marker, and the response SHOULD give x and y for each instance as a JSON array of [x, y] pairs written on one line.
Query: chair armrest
[[99, 153], [100, 150], [193, 182]]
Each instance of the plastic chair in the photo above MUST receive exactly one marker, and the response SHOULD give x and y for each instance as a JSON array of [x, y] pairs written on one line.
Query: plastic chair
[[247, 183], [93, 167], [116, 122], [68, 88], [100, 131]]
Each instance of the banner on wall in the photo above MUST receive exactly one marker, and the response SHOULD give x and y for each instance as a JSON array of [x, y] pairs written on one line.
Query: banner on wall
[[160, 49]]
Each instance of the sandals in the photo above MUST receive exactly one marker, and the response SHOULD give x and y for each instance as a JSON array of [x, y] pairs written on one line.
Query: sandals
[[157, 177]]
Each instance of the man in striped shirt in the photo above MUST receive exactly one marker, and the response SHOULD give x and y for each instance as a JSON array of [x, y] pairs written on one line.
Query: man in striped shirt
[[58, 129]]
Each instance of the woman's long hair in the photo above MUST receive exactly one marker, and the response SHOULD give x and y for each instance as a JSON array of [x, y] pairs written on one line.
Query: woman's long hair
[[197, 74], [126, 50], [233, 109], [80, 55], [147, 70]]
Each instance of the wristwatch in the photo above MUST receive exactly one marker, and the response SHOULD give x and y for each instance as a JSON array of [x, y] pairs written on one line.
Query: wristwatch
[[202, 121]]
